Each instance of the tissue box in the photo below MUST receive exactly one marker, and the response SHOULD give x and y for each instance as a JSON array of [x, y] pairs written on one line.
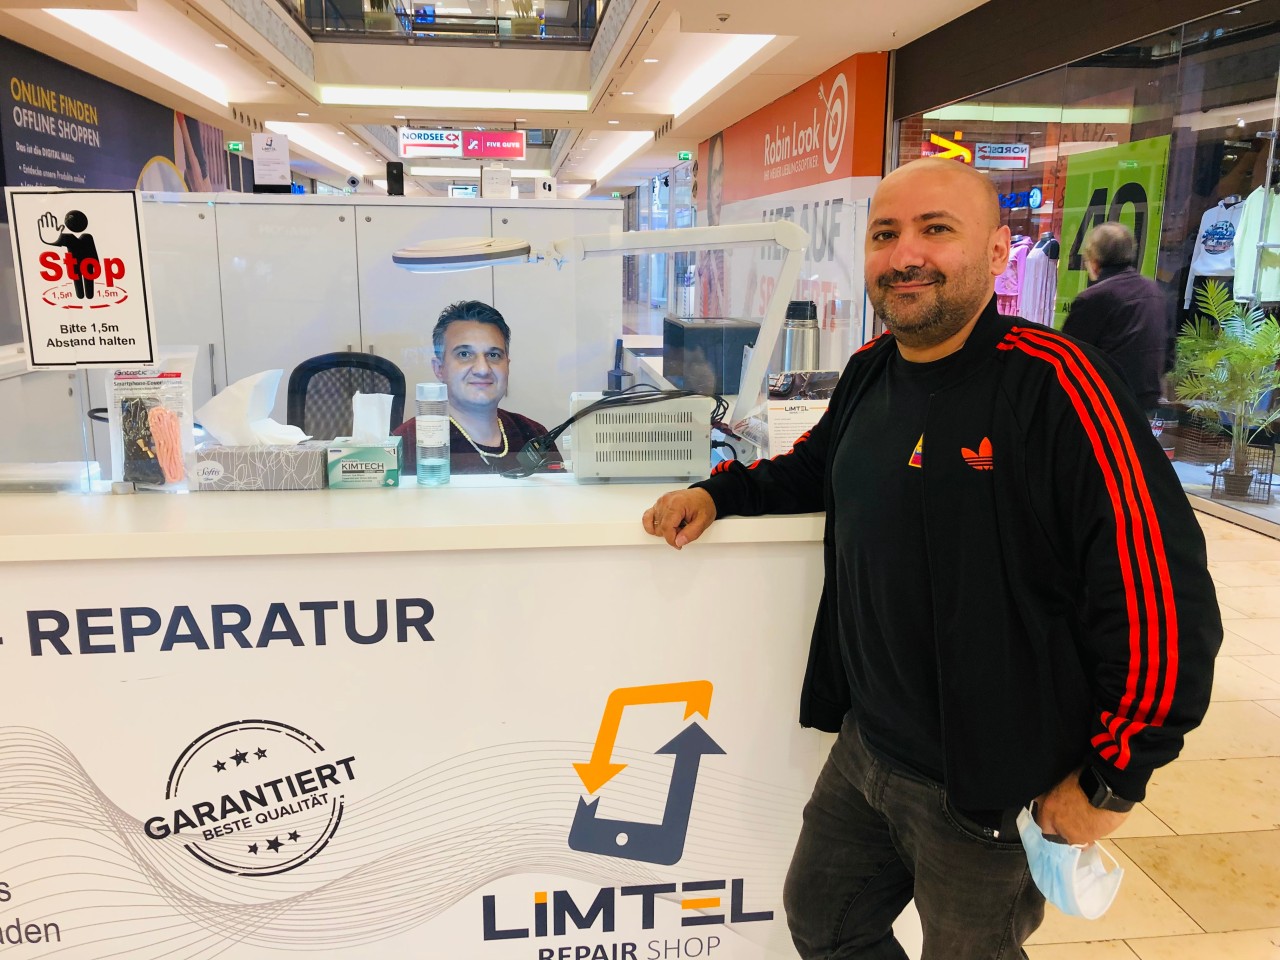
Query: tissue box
[[354, 465], [298, 466]]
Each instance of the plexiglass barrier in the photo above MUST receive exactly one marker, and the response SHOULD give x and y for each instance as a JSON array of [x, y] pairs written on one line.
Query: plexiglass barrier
[[310, 287]]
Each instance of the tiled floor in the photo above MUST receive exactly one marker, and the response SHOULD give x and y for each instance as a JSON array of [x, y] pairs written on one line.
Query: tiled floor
[[1202, 854]]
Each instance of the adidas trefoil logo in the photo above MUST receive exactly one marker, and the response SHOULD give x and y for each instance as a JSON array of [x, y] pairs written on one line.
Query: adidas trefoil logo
[[980, 460]]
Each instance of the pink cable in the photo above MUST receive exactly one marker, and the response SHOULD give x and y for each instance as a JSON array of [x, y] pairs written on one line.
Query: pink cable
[[168, 437]]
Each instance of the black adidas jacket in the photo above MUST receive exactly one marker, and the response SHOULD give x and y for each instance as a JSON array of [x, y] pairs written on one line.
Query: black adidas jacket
[[1075, 616]]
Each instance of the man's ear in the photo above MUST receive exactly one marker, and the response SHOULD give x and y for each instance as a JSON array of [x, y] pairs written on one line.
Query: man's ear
[[437, 367], [1000, 243]]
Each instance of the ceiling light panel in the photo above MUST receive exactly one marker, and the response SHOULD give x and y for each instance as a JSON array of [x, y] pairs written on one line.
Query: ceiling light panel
[[714, 69], [470, 173], [327, 150], [114, 29], [453, 99]]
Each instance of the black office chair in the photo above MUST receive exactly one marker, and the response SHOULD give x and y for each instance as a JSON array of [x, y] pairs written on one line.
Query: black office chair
[[320, 391]]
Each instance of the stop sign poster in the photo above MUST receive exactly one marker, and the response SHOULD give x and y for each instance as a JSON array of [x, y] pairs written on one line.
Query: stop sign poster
[[83, 291]]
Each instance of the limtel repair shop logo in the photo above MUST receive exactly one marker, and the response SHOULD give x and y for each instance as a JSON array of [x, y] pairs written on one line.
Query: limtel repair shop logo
[[633, 840], [80, 274], [254, 798]]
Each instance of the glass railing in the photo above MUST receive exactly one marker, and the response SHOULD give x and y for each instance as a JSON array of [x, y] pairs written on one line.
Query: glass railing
[[551, 21]]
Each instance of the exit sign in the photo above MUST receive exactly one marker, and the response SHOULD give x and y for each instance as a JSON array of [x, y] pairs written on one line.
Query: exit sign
[[235, 146], [617, 195], [684, 155]]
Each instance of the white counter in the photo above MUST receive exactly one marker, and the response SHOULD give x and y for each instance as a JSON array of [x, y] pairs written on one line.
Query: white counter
[[473, 513]]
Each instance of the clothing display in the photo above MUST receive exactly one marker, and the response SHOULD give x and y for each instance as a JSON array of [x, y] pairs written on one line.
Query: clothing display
[[1021, 466], [1009, 284], [1250, 232], [1039, 282], [1215, 253], [1126, 316]]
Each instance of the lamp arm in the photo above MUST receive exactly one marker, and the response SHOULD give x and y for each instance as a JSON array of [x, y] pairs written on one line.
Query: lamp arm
[[770, 327], [784, 233]]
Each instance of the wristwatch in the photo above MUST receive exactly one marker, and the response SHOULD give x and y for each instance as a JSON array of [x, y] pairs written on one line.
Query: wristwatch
[[1100, 794]]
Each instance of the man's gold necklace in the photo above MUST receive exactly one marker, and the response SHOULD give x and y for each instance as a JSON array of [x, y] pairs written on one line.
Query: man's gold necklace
[[496, 456]]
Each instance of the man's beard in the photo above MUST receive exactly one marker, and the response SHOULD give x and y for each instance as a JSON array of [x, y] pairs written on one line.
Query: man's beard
[[931, 316]]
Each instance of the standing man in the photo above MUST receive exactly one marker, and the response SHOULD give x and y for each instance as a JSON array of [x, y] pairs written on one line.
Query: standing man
[[1124, 314], [1016, 607]]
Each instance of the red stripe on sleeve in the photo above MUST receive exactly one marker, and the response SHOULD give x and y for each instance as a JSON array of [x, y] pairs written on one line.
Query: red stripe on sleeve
[[1127, 458], [1113, 492], [1168, 605]]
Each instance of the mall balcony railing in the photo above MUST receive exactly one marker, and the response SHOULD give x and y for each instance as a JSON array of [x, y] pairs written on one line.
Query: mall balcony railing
[[550, 22]]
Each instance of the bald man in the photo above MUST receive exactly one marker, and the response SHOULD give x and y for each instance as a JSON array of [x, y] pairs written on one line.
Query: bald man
[[1016, 614]]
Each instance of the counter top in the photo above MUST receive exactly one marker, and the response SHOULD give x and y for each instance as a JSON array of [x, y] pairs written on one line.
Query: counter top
[[472, 513]]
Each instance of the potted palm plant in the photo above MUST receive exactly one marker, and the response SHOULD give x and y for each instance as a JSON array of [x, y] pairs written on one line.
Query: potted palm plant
[[1226, 370]]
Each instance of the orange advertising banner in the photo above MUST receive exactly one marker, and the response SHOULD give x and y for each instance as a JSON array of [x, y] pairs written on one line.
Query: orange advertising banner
[[829, 128]]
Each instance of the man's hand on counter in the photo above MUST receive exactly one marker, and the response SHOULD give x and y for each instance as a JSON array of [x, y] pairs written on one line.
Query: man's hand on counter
[[680, 517]]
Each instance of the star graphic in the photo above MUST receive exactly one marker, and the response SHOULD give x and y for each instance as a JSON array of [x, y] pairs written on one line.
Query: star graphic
[[294, 835], [260, 754], [253, 848], [240, 757], [274, 844], [220, 765]]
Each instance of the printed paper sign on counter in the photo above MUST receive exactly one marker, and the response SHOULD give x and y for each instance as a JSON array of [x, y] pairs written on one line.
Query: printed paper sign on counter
[[83, 292], [271, 160]]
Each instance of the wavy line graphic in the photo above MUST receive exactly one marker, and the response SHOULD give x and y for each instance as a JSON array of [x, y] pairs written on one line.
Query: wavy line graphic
[[400, 858]]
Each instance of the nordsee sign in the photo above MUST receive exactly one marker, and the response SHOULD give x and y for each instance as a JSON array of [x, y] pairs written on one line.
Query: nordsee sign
[[416, 142]]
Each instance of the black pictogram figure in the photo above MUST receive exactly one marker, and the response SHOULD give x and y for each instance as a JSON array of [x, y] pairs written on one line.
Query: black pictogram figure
[[79, 244]]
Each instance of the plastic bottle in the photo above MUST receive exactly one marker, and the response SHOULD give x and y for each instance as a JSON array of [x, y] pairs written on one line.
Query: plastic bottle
[[432, 427]]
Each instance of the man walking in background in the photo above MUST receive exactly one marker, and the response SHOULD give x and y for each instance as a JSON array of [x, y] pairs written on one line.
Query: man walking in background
[[1124, 314]]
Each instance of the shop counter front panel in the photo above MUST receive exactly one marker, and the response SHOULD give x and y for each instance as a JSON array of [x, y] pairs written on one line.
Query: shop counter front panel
[[449, 751]]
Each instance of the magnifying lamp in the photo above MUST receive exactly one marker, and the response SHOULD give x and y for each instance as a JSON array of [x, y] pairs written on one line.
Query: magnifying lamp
[[461, 253], [469, 253]]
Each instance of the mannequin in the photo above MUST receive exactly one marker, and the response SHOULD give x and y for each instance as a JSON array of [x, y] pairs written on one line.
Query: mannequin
[[1214, 255], [1040, 281], [1009, 284]]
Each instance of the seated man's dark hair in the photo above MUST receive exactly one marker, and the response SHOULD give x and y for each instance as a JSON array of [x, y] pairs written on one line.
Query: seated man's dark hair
[[476, 311]]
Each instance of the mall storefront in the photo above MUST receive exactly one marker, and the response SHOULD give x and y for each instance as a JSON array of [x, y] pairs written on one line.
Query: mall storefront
[[1173, 134]]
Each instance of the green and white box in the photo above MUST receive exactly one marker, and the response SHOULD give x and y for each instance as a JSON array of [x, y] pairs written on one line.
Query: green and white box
[[353, 466]]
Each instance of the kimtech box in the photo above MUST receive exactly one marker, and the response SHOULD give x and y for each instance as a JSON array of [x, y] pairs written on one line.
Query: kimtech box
[[354, 466]]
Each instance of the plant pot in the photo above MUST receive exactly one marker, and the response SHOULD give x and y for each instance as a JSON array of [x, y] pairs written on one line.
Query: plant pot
[[1235, 486]]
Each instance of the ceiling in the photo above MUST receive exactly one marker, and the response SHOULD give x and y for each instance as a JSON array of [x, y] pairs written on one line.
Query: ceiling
[[683, 68]]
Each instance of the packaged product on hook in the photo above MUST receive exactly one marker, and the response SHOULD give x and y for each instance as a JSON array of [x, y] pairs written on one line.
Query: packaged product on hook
[[149, 409]]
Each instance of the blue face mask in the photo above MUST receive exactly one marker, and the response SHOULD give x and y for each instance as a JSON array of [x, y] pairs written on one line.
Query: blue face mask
[[1071, 877]]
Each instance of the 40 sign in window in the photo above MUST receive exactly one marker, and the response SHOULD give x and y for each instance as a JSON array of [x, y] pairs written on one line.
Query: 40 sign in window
[[83, 290], [1124, 183]]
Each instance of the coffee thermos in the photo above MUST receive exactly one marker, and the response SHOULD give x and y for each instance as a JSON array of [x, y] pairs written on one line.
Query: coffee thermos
[[800, 336]]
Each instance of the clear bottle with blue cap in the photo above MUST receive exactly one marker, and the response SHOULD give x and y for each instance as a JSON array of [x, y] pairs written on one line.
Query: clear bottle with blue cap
[[432, 428]]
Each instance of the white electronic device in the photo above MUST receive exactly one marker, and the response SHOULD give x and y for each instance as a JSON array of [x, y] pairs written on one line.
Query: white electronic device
[[665, 440]]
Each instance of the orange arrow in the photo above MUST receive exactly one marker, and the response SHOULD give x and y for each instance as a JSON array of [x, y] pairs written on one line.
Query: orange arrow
[[694, 694], [950, 149]]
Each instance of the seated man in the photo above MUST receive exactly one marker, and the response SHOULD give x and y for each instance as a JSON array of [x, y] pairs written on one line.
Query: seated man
[[472, 343]]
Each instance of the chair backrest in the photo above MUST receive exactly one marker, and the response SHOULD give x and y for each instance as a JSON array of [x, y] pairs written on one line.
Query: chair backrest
[[320, 391]]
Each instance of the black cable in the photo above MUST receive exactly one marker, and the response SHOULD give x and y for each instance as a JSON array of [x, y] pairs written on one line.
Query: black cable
[[533, 455]]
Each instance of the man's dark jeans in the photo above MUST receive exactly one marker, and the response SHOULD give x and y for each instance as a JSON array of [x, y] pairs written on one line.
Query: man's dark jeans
[[873, 838]]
